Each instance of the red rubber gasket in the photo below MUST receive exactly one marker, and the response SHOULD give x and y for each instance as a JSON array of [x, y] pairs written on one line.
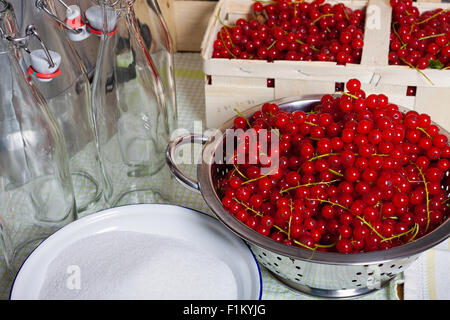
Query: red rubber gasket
[[99, 32], [32, 72]]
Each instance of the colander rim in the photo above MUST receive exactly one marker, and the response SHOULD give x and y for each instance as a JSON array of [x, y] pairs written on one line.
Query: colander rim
[[206, 185]]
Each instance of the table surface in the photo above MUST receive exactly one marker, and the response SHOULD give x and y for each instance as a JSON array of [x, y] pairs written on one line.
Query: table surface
[[191, 105]]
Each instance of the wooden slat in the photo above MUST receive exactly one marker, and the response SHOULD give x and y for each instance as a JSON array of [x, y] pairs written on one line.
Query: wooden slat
[[192, 19], [302, 88], [221, 101], [436, 103], [376, 31]]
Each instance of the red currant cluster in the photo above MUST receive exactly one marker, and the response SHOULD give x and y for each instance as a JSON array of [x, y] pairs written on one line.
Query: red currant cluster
[[294, 30], [419, 40], [354, 175]]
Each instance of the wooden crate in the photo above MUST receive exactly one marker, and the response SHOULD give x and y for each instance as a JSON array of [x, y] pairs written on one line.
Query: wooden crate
[[187, 21], [241, 84]]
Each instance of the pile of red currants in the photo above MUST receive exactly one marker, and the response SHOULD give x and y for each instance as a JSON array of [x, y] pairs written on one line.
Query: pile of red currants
[[419, 40], [355, 174], [294, 30]]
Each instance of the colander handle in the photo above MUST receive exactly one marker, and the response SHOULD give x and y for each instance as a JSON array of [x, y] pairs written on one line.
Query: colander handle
[[176, 171]]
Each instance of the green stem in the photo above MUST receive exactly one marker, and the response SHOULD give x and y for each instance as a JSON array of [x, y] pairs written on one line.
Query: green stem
[[371, 227], [239, 172], [335, 172], [330, 202], [308, 185], [221, 22], [223, 41], [303, 245], [396, 33], [418, 70], [323, 156], [323, 16], [350, 95], [424, 131], [426, 194], [256, 179], [415, 233], [247, 207], [401, 234], [433, 16], [432, 36], [241, 115]]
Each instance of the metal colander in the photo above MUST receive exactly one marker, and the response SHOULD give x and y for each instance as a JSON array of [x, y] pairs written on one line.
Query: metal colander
[[324, 274]]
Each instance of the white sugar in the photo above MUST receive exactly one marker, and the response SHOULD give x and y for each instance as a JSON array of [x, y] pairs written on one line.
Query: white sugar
[[131, 265]]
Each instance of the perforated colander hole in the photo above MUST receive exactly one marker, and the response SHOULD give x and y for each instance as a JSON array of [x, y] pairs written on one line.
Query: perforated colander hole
[[279, 258], [300, 275], [297, 267], [358, 273], [354, 280], [392, 265], [275, 264], [400, 266]]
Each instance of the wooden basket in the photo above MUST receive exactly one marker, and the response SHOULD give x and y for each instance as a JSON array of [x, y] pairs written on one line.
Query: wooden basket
[[240, 84]]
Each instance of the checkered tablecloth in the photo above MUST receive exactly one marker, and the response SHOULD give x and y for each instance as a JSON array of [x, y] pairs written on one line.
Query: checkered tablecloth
[[191, 105]]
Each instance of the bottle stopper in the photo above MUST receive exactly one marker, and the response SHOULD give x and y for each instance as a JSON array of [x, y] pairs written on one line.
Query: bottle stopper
[[41, 67], [94, 15], [74, 20]]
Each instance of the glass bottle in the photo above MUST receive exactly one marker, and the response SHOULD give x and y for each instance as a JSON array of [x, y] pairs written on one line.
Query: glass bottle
[[68, 97], [156, 39], [130, 110], [36, 192]]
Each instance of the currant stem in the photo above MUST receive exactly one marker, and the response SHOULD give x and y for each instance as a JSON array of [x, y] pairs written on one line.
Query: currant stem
[[401, 234], [396, 33], [323, 16], [221, 22], [335, 172], [326, 245], [418, 70], [271, 45], [309, 185], [371, 227], [424, 131], [432, 36], [247, 207], [415, 233], [322, 156], [349, 94], [304, 245], [426, 194], [330, 202], [239, 172], [433, 16], [223, 41], [241, 115], [255, 179]]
